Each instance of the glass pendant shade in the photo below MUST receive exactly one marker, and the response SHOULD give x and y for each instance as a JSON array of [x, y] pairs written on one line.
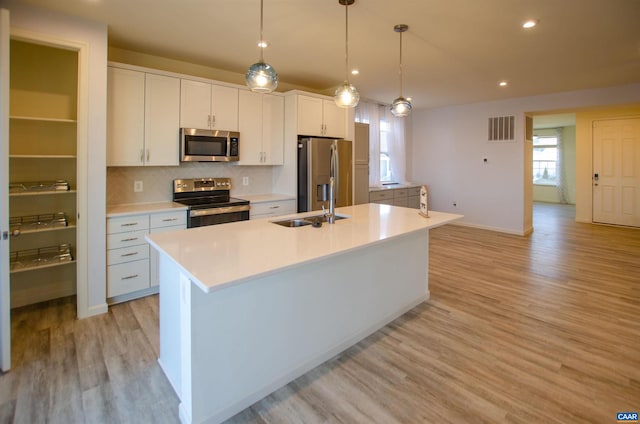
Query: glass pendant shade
[[401, 107], [346, 95], [262, 78]]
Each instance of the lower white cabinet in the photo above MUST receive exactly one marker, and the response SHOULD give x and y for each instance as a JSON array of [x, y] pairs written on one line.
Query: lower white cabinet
[[406, 197], [132, 266], [272, 208]]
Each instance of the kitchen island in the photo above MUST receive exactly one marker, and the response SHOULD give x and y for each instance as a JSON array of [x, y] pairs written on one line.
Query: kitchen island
[[249, 306]]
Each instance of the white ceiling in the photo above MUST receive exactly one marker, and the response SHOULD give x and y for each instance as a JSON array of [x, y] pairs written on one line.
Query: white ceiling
[[455, 51]]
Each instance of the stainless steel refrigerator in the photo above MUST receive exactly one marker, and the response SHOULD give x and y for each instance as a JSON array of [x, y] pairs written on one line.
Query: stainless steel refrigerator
[[314, 171]]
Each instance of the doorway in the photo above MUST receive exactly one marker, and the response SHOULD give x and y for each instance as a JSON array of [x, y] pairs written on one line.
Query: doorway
[[43, 143], [553, 160]]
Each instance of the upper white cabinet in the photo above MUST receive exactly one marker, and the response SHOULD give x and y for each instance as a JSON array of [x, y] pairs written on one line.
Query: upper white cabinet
[[320, 117], [208, 106], [142, 118], [261, 126]]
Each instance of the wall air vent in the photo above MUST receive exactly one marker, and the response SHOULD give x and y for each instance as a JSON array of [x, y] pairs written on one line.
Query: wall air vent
[[502, 128]]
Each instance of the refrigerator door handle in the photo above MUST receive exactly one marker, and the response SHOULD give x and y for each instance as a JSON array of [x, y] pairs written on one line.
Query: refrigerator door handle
[[335, 168]]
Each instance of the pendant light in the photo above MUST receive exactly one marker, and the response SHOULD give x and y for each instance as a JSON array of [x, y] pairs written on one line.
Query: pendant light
[[401, 107], [261, 77], [346, 94]]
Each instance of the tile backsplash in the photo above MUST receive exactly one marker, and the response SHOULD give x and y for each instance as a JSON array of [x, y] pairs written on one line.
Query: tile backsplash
[[157, 180]]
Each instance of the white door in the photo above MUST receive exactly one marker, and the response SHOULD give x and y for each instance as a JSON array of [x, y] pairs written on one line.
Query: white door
[[5, 288], [616, 172]]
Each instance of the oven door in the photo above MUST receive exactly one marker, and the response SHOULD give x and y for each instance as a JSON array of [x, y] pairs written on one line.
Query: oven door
[[213, 216]]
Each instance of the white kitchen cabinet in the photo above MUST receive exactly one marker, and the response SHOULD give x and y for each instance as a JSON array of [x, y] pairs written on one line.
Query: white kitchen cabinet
[[208, 106], [143, 112], [132, 266], [320, 117], [334, 118], [273, 208], [261, 126], [161, 120]]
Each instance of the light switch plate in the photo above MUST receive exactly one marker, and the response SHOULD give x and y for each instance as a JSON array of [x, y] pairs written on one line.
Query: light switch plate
[[137, 187]]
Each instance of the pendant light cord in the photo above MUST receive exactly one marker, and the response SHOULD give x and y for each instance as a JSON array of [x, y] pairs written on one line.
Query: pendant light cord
[[401, 64], [262, 46], [346, 42]]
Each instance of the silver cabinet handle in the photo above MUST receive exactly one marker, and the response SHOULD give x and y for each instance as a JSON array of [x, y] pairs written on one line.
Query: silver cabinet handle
[[129, 277], [147, 155], [169, 219], [129, 254], [130, 239], [129, 224], [141, 155], [274, 207]]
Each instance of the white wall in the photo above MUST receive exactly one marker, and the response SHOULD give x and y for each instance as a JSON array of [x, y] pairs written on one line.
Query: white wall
[[94, 35], [448, 146]]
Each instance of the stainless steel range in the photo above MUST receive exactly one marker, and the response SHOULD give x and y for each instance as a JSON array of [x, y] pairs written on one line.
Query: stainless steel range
[[209, 201]]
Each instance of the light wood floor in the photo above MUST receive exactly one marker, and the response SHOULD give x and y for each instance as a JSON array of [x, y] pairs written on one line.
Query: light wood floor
[[538, 329]]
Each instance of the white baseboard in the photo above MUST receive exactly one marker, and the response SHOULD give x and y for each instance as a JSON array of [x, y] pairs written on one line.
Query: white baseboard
[[489, 228]]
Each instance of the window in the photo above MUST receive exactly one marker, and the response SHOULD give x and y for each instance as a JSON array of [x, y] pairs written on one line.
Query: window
[[385, 158], [545, 160]]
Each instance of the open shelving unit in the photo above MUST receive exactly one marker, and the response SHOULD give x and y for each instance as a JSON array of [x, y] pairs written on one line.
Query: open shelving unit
[[42, 148]]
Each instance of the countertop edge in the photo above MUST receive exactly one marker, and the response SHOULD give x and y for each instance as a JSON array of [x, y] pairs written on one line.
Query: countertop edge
[[142, 208], [269, 271]]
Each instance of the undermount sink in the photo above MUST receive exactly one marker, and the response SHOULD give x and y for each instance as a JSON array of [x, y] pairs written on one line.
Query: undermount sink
[[293, 222], [323, 218], [307, 220]]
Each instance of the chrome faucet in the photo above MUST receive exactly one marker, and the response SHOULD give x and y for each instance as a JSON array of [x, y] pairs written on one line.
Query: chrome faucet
[[333, 179], [331, 216]]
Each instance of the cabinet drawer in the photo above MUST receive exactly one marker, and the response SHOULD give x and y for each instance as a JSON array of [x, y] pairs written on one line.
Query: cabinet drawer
[[127, 277], [400, 202], [168, 219], [374, 196], [127, 223], [133, 238], [401, 192], [273, 208], [413, 191], [127, 254], [413, 202]]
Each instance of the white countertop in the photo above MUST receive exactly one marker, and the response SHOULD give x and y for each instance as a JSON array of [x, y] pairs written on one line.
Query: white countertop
[[217, 256], [263, 198], [142, 208], [393, 186]]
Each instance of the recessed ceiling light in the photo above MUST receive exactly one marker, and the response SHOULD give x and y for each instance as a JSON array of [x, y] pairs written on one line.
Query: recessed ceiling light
[[355, 72], [530, 23], [502, 83]]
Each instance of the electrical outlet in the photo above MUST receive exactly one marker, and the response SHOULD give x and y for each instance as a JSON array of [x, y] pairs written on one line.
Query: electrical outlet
[[137, 187], [245, 181]]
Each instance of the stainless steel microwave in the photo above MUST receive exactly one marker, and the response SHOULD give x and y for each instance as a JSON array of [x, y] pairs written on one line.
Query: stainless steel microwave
[[197, 145]]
